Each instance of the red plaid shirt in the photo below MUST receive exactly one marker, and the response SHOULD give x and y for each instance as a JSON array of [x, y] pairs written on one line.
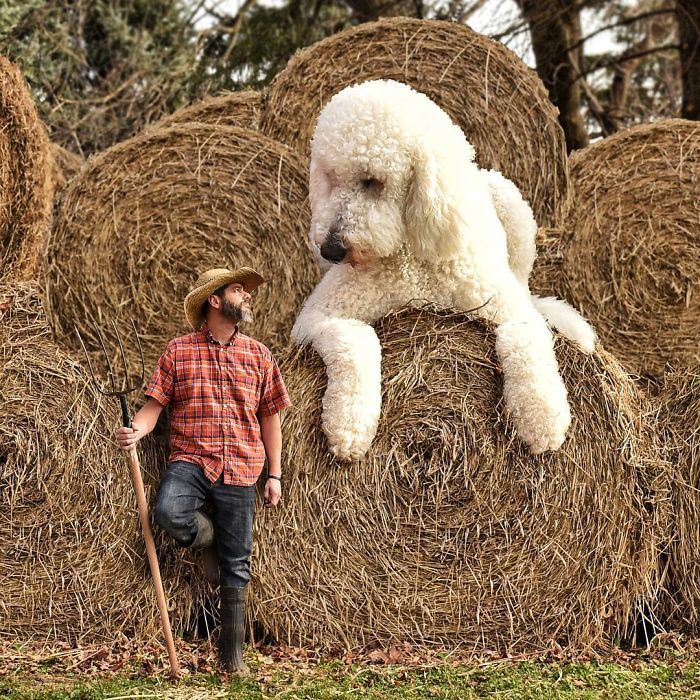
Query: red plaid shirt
[[216, 393]]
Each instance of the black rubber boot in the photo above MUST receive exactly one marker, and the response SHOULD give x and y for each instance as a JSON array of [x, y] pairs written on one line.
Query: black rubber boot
[[232, 629]]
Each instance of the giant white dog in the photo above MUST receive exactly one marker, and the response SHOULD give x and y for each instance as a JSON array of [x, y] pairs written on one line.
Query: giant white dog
[[401, 215]]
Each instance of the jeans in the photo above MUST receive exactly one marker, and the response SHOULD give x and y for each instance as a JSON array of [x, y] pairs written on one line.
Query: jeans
[[183, 490]]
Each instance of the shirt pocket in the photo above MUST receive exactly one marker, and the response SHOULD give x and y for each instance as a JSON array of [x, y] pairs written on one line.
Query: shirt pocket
[[245, 387]]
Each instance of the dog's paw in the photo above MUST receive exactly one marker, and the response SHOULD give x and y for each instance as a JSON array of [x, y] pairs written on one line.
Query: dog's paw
[[542, 422], [348, 446], [349, 435]]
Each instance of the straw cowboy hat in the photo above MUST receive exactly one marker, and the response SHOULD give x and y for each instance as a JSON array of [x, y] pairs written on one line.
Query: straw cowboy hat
[[209, 282]]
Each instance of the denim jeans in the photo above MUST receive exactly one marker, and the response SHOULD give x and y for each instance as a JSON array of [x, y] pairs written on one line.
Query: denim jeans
[[183, 490]]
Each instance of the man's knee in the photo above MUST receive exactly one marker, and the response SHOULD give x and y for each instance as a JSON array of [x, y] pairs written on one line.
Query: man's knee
[[178, 523]]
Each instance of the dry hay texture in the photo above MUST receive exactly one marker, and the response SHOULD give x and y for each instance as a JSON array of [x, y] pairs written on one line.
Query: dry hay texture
[[72, 557], [629, 257], [227, 109], [449, 531], [499, 103], [26, 178], [679, 403], [66, 165], [142, 220]]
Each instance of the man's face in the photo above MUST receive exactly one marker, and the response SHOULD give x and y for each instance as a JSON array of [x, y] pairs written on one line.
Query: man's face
[[235, 304]]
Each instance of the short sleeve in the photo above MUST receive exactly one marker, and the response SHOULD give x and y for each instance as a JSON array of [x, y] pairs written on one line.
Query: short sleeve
[[273, 392], [162, 383]]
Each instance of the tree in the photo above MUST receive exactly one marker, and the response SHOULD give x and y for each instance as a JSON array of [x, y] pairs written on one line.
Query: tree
[[597, 94], [688, 16], [252, 46], [100, 69], [249, 48], [555, 27]]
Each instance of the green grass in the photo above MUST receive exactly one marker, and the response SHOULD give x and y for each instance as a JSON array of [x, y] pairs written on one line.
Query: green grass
[[514, 681]]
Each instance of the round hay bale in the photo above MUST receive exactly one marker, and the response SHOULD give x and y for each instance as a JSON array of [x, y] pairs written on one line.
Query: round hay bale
[[143, 219], [227, 109], [679, 403], [546, 278], [72, 557], [65, 165], [631, 257], [500, 104], [449, 531], [26, 182]]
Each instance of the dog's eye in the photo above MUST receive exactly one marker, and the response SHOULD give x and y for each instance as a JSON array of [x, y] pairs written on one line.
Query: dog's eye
[[372, 185]]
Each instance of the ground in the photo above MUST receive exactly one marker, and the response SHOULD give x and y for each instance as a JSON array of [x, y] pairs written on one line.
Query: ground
[[669, 669]]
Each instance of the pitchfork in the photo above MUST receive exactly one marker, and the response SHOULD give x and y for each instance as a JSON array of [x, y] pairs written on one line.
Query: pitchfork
[[126, 388]]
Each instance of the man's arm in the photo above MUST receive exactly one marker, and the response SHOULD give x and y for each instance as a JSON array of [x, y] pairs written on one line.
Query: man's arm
[[271, 434], [144, 421]]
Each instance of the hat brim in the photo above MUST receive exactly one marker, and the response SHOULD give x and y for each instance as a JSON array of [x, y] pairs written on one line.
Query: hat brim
[[194, 301]]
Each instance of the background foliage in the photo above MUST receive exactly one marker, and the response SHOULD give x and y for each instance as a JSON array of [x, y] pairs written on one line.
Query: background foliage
[[102, 69]]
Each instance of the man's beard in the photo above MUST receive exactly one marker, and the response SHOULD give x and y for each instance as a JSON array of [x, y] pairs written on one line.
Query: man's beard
[[235, 313]]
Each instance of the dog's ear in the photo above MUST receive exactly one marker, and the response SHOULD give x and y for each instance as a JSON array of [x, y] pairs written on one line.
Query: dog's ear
[[319, 189], [436, 201], [319, 185]]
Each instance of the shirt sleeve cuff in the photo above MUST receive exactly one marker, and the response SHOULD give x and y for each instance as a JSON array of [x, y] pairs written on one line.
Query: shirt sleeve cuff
[[271, 409], [158, 395]]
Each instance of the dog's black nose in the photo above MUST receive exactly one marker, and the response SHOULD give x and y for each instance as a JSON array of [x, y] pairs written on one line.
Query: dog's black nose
[[333, 249]]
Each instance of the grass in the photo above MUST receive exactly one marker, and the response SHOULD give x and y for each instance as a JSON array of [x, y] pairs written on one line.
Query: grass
[[639, 680]]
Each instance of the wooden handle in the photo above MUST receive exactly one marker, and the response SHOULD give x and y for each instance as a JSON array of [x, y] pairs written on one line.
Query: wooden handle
[[153, 560]]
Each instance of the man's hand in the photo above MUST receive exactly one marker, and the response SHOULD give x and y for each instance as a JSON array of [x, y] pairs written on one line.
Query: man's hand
[[272, 493], [128, 437]]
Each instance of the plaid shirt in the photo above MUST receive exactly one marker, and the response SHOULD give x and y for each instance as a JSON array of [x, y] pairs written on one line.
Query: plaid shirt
[[216, 393]]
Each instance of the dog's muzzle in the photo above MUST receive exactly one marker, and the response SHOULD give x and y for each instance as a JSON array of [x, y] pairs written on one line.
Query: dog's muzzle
[[333, 249]]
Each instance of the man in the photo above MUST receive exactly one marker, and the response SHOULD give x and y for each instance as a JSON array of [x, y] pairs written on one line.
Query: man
[[225, 393]]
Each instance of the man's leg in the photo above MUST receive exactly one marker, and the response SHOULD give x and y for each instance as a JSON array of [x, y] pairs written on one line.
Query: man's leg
[[180, 498], [233, 521]]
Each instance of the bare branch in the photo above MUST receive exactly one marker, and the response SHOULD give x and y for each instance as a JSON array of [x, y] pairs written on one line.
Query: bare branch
[[622, 59], [469, 11], [621, 23], [515, 29]]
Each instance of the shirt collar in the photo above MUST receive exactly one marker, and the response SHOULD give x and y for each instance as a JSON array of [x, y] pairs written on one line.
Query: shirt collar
[[211, 339]]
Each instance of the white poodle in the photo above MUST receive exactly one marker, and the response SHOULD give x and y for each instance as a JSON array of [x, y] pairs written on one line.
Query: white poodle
[[401, 215]]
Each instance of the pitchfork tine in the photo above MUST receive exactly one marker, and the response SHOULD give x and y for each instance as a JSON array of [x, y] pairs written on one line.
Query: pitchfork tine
[[126, 386], [95, 381], [106, 354], [143, 363]]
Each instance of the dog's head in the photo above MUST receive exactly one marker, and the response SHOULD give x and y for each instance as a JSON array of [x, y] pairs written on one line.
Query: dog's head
[[388, 169]]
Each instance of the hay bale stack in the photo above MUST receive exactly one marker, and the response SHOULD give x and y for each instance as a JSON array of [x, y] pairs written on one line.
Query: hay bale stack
[[72, 558], [631, 252], [144, 218], [227, 109], [65, 165], [500, 104], [450, 531], [547, 276], [679, 403], [26, 183]]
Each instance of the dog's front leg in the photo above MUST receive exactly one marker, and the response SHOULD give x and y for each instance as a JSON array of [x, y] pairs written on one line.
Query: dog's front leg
[[534, 393], [351, 352]]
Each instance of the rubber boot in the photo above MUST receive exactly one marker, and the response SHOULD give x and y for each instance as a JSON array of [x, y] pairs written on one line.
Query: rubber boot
[[232, 629], [204, 541]]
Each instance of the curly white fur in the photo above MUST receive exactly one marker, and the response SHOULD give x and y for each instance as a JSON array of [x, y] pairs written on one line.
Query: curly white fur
[[404, 213]]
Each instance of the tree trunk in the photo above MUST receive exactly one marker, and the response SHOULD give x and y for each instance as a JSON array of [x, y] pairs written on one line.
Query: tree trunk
[[371, 10], [555, 25], [688, 16]]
